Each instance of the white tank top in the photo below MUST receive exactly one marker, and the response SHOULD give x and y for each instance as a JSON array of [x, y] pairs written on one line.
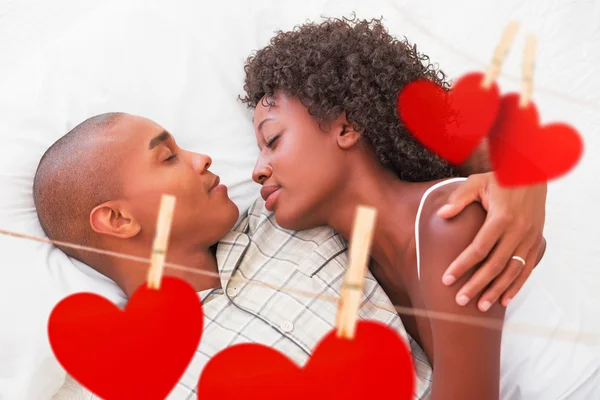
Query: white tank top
[[540, 366], [431, 189]]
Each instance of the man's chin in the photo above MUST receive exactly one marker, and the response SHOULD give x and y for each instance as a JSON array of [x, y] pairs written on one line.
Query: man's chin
[[230, 218]]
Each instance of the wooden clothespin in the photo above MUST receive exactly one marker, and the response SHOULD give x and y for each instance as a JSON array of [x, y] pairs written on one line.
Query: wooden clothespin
[[500, 54], [161, 239], [350, 294], [527, 71]]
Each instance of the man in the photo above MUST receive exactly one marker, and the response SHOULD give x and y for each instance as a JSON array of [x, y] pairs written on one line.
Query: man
[[100, 185]]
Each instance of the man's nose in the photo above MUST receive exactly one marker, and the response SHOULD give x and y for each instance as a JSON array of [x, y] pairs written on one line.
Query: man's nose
[[261, 172], [201, 163]]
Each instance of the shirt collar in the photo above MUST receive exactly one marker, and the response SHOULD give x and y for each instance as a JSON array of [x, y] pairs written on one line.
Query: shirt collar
[[309, 249], [231, 250], [330, 244]]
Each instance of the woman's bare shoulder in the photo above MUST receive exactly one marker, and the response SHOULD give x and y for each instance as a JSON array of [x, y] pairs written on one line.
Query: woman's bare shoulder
[[470, 219]]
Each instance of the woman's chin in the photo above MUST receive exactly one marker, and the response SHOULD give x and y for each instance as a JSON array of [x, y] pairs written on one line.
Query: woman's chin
[[291, 221], [283, 220]]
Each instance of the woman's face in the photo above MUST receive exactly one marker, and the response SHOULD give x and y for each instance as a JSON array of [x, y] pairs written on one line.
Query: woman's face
[[300, 166]]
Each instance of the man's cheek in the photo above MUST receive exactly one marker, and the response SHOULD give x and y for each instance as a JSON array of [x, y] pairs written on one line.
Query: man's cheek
[[180, 187]]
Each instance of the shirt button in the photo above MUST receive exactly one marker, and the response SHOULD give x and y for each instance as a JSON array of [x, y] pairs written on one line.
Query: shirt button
[[233, 291], [287, 326]]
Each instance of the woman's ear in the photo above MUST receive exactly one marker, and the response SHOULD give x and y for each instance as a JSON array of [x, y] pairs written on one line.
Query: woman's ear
[[347, 136], [112, 219]]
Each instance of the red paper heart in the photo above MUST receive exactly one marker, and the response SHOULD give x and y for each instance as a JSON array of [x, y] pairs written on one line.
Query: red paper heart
[[523, 153], [138, 353], [450, 124], [375, 364]]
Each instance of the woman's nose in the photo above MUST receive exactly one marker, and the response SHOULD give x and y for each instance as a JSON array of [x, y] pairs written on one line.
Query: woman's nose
[[201, 163], [261, 173]]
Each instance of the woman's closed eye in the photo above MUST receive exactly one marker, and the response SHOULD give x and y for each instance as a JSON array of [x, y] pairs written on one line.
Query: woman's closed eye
[[271, 142]]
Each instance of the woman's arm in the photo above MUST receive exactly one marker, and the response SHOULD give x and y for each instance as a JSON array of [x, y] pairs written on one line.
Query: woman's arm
[[466, 357]]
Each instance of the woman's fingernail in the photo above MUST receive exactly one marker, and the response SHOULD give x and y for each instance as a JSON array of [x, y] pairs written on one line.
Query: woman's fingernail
[[485, 306], [506, 302], [462, 300], [448, 279]]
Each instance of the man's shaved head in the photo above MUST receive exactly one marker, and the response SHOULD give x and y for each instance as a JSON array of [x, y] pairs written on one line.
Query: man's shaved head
[[77, 173], [100, 186]]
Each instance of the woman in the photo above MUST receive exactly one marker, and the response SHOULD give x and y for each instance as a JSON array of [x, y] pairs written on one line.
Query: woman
[[325, 120]]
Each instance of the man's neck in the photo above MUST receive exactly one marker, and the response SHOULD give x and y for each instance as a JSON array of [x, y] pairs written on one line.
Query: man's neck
[[198, 267]]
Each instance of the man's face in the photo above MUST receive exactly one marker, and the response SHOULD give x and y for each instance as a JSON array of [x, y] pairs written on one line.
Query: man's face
[[151, 164]]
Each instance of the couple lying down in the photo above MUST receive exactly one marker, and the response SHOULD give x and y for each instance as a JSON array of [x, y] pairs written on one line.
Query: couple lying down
[[329, 137]]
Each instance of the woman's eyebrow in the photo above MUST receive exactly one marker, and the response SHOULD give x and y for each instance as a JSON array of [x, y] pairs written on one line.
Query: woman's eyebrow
[[263, 121]]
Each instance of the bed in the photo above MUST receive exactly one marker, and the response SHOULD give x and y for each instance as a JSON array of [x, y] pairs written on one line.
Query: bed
[[180, 63]]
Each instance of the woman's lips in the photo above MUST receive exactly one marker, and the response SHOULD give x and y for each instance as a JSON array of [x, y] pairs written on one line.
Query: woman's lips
[[270, 203], [216, 186], [269, 194]]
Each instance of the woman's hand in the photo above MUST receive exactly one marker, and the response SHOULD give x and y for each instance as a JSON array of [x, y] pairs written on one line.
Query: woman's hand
[[513, 227]]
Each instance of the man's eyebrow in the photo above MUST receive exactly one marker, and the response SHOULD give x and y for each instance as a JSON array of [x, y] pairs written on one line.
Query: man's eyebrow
[[158, 139], [263, 121]]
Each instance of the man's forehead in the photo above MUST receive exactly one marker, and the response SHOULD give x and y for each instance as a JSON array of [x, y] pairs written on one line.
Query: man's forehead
[[132, 129]]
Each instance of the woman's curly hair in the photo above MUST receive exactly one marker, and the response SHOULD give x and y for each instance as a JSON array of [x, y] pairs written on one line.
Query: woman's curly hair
[[356, 67]]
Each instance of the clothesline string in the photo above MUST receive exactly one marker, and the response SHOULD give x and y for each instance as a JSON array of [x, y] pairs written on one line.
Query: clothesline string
[[584, 338]]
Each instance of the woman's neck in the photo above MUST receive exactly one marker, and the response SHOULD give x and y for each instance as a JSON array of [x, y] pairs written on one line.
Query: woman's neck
[[374, 186]]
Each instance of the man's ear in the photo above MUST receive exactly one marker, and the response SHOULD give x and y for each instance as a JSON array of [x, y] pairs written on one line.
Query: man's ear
[[112, 219], [347, 136]]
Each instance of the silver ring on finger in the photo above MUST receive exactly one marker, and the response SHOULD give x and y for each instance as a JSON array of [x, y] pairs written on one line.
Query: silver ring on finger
[[520, 259]]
